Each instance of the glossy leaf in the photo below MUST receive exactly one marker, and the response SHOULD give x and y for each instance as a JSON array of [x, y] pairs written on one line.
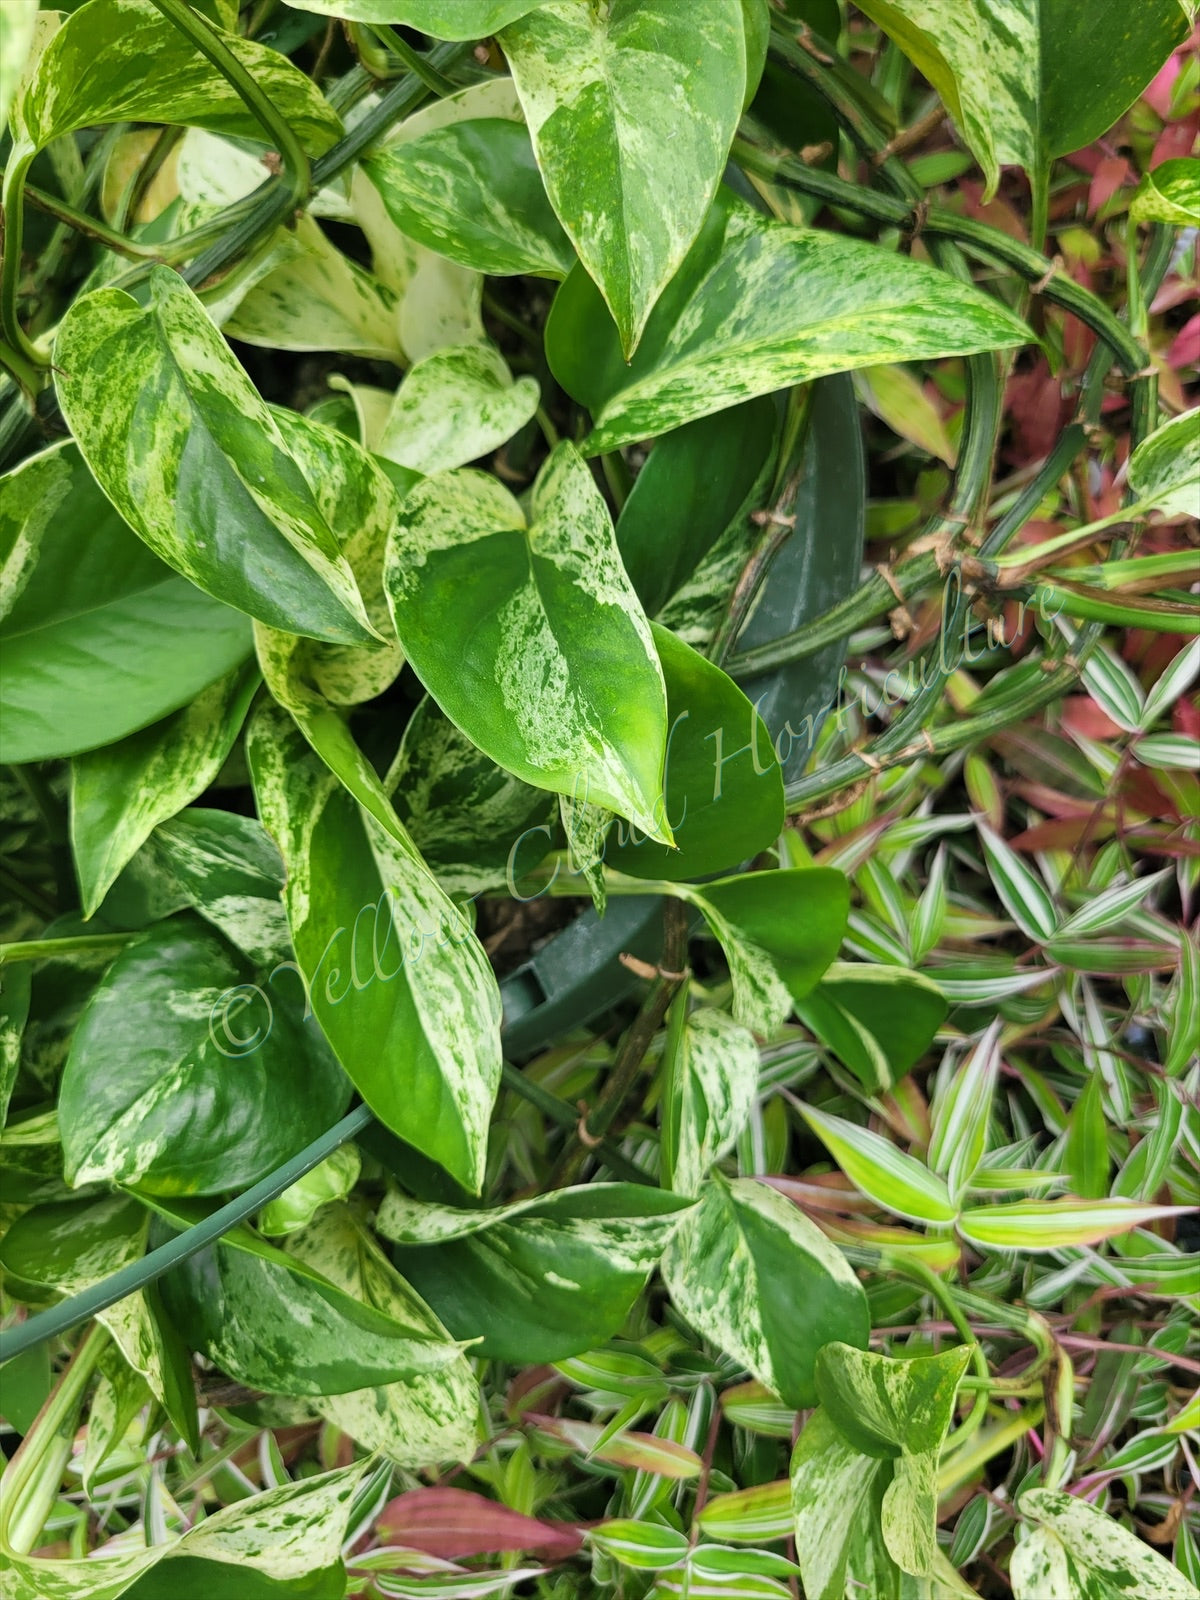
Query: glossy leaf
[[1078, 1552], [1164, 470], [123, 61], [473, 193], [631, 112], [78, 587], [397, 980], [878, 1020], [530, 637], [962, 1111], [454, 406], [444, 19], [897, 1182], [296, 1207], [176, 1081], [540, 1279], [193, 460], [121, 792], [755, 306], [751, 1273], [885, 1406], [17, 24], [711, 1079], [1056, 1224], [1022, 891], [831, 1490], [1031, 81], [1169, 193]]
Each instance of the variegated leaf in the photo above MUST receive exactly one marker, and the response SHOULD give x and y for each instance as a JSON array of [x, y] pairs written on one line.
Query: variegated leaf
[[1076, 1552], [750, 1272], [1164, 470], [444, 19], [397, 979], [17, 23], [121, 792], [453, 407], [295, 1208], [194, 461], [896, 1181], [711, 1067], [1056, 1224], [755, 306], [530, 637], [962, 1110], [1169, 193], [831, 1499], [885, 1406], [632, 111]]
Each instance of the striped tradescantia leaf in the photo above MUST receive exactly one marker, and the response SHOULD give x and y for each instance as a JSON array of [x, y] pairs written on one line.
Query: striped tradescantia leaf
[[1164, 470], [194, 461], [755, 306], [632, 112], [897, 1182], [538, 1280], [711, 1068], [1055, 1224], [473, 193], [1076, 1552], [641, 1451], [1025, 896], [645, 1546], [123, 61], [76, 587], [751, 1516], [531, 638], [454, 406], [1111, 907], [962, 1111], [444, 19], [425, 1420], [750, 1272], [398, 981], [121, 792]]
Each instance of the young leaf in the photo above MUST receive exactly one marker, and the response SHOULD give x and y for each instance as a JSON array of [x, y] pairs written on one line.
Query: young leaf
[[194, 461], [1170, 192], [78, 587], [631, 111], [538, 1280], [296, 1207], [530, 637], [886, 1407], [832, 1485], [1023, 893], [473, 193], [166, 1088], [121, 792], [1078, 1553], [711, 1079], [1164, 470], [897, 1182], [391, 966], [878, 1020], [1057, 1224], [755, 306], [453, 407], [750, 1272]]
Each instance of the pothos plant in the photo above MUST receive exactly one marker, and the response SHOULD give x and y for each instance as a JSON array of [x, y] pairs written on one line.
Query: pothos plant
[[433, 501]]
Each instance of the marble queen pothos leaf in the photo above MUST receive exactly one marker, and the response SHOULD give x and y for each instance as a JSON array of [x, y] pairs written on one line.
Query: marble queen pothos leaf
[[195, 462], [395, 975], [1077, 1552], [530, 637], [444, 19], [632, 110], [758, 305], [711, 1066]]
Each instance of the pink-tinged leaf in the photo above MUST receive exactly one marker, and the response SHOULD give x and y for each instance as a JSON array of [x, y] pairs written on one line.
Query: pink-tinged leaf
[[451, 1523], [1056, 1224], [641, 1451]]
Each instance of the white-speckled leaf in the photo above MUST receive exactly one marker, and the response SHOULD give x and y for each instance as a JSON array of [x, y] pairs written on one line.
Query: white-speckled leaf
[[1170, 193], [756, 306], [120, 792], [423, 1421], [712, 1078], [1165, 468], [397, 979], [295, 1208], [586, 827], [319, 300], [750, 1272], [1027, 80], [453, 407], [123, 61], [1079, 1553], [444, 19], [531, 638], [17, 22], [632, 110], [831, 1485], [193, 460]]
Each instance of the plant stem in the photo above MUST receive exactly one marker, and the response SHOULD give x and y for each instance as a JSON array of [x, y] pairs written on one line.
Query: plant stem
[[82, 944], [550, 1105], [91, 228], [25, 363]]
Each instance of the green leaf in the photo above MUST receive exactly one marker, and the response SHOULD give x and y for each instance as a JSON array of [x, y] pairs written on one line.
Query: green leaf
[[17, 24], [751, 1273], [749, 1515], [538, 1280], [1056, 1224], [473, 193], [1035, 80], [151, 1094], [453, 407], [879, 1021], [1078, 1553], [194, 461], [885, 1406], [898, 398], [1085, 1157], [644, 1546], [78, 588], [425, 1420], [296, 1207], [1164, 470], [755, 306], [444, 19], [711, 1080], [15, 987], [476, 826], [632, 111], [897, 1182], [121, 792], [1022, 891], [123, 61], [779, 931], [962, 1110], [724, 789], [530, 637], [831, 1500], [277, 1324], [1169, 193], [392, 969]]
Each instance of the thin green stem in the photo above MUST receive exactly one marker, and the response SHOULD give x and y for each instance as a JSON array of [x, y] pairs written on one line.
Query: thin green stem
[[90, 227], [43, 949], [436, 82], [550, 1105], [26, 364]]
